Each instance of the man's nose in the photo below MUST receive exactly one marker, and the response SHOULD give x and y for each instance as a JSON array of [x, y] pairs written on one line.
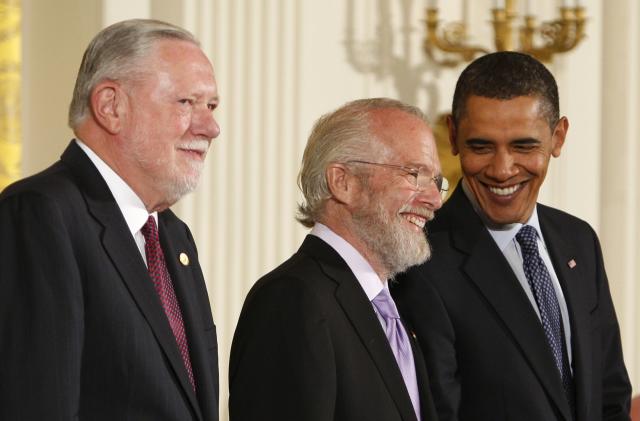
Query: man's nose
[[502, 166], [204, 124], [429, 196]]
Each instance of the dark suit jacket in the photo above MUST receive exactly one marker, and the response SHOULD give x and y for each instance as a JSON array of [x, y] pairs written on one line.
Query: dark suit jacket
[[83, 335], [484, 345], [309, 347]]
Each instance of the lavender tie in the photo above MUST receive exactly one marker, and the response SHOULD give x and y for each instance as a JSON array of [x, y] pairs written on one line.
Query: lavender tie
[[400, 345]]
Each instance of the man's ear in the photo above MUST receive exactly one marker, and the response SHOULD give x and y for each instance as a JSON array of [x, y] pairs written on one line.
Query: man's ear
[[452, 135], [558, 136], [107, 105], [341, 183]]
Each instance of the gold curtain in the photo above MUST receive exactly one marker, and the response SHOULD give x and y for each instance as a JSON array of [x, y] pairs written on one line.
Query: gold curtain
[[10, 61]]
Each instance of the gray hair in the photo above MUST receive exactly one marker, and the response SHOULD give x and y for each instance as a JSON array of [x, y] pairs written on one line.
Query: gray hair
[[115, 54], [342, 135]]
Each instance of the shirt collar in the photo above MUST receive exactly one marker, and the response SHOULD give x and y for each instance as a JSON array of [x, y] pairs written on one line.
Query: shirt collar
[[502, 234], [132, 208], [367, 277]]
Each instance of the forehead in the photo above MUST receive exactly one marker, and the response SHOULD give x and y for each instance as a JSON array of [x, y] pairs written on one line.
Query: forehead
[[521, 114], [182, 62], [404, 136]]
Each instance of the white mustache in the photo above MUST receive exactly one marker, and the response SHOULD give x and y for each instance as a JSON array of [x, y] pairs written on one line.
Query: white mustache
[[198, 145]]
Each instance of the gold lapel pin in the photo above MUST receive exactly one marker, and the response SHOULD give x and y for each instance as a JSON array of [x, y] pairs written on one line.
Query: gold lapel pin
[[184, 259]]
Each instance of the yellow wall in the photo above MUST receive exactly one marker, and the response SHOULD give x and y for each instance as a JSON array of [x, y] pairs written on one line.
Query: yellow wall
[[10, 108]]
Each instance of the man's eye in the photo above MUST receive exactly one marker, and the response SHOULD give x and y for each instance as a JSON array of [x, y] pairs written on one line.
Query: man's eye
[[479, 148], [185, 101], [413, 174], [212, 106], [526, 147]]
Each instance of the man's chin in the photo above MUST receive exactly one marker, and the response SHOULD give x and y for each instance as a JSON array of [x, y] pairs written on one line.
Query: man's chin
[[175, 189], [415, 255]]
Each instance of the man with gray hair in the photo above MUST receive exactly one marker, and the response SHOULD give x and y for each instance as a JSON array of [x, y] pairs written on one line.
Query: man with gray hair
[[319, 338], [104, 314]]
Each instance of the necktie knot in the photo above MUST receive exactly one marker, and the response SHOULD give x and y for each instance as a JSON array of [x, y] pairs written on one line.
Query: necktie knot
[[150, 230], [385, 305], [527, 238]]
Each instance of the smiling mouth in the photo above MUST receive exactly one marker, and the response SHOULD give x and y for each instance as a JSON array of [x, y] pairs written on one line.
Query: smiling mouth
[[505, 191], [418, 221], [194, 153], [197, 150]]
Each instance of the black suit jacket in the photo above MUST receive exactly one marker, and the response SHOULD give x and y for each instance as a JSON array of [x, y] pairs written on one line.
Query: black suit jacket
[[83, 335], [309, 346], [484, 345]]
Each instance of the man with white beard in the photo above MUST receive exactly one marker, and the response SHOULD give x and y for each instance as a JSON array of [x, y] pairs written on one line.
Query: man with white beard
[[319, 338]]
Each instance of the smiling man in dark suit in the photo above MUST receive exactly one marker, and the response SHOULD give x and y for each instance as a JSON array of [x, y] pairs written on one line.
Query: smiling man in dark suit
[[104, 313], [319, 338], [513, 311]]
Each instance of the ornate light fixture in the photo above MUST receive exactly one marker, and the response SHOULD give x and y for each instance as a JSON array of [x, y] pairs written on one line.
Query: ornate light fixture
[[447, 44]]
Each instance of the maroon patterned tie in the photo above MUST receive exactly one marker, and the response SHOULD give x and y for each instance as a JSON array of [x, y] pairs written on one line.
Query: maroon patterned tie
[[164, 287]]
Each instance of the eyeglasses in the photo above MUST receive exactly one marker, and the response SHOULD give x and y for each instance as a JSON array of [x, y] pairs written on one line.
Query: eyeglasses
[[420, 177]]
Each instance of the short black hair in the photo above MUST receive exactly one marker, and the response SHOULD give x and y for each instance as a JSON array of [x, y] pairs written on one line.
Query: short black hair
[[506, 75]]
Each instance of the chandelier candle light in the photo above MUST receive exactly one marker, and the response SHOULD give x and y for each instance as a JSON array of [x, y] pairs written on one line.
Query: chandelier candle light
[[447, 44]]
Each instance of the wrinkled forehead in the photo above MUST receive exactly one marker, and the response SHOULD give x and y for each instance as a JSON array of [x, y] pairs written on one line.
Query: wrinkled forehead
[[405, 139]]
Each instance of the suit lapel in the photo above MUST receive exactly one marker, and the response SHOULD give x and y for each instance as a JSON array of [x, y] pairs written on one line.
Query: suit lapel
[[359, 311], [487, 268], [173, 243], [427, 405], [123, 252], [571, 278]]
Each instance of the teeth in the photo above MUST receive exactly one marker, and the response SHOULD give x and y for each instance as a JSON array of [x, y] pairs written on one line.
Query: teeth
[[199, 146], [416, 220], [191, 149], [504, 191]]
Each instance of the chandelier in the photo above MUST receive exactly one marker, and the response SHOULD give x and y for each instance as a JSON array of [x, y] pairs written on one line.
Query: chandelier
[[448, 44]]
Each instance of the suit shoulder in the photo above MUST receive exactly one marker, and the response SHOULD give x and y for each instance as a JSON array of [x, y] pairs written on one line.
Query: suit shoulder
[[292, 294], [563, 222], [52, 190], [54, 183], [296, 273], [299, 285]]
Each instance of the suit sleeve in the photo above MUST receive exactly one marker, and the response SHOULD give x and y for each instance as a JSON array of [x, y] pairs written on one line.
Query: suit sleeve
[[282, 365], [41, 317], [616, 388], [423, 308]]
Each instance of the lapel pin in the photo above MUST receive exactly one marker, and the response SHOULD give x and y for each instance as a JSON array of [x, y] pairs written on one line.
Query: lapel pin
[[413, 334], [571, 263], [184, 259]]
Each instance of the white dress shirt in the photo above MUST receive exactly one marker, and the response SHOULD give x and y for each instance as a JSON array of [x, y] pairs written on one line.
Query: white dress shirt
[[134, 212]]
